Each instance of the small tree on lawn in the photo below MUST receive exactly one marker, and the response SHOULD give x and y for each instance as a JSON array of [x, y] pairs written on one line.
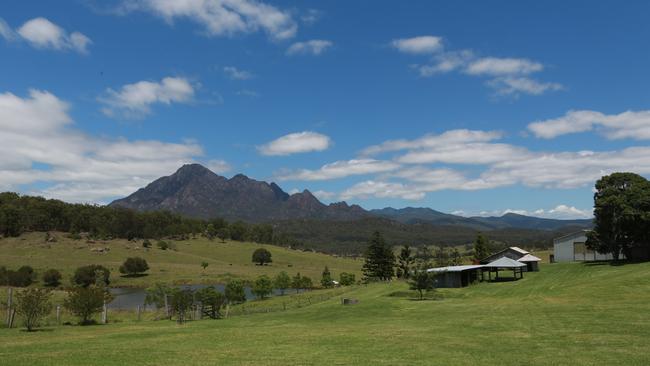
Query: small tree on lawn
[[282, 282], [347, 279], [86, 301], [296, 282], [134, 266], [326, 279], [421, 280], [210, 232], [211, 301], [481, 247], [261, 256], [223, 234], [51, 278], [181, 302], [204, 265], [262, 287], [234, 292], [32, 305], [405, 262], [306, 283]]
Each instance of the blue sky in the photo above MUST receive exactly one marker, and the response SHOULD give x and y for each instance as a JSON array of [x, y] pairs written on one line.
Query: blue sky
[[462, 106]]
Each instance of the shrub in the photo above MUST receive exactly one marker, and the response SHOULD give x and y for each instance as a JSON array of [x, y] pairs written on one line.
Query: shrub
[[421, 281], [133, 266], [85, 301], [262, 256], [146, 244], [162, 245], [52, 278], [23, 277], [347, 279], [262, 287], [32, 305], [91, 275]]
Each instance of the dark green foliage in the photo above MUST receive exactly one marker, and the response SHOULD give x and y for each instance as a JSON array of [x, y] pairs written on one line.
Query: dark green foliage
[[380, 259], [84, 302], [238, 231], [133, 266], [211, 301], [210, 232], [422, 281], [262, 287], [405, 262], [204, 265], [32, 305], [223, 234], [347, 279], [156, 295], [162, 245], [51, 278], [455, 259], [22, 277], [299, 282], [282, 282], [180, 302], [441, 256], [234, 292], [326, 279], [622, 216], [481, 247], [306, 283], [93, 274], [261, 256], [146, 244]]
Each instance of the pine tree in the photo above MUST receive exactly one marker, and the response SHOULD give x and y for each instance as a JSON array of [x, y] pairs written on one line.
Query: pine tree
[[326, 280], [405, 262], [380, 260], [481, 248]]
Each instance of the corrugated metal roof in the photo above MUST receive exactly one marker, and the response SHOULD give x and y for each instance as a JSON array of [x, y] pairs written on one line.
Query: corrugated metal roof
[[505, 262], [529, 258], [517, 249], [454, 268], [571, 236]]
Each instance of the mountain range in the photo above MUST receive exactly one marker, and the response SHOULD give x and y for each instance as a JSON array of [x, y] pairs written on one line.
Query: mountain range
[[195, 191]]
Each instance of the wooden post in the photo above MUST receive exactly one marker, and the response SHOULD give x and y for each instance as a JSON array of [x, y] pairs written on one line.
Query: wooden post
[[9, 304], [167, 308], [105, 314], [58, 315], [11, 318], [139, 313]]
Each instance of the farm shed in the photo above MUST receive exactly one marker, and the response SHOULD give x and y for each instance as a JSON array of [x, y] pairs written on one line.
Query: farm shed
[[512, 252], [505, 263], [531, 262], [572, 247], [456, 276]]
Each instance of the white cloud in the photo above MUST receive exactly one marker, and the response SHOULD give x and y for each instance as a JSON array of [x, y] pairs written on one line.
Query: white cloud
[[559, 212], [293, 143], [312, 47], [218, 166], [43, 34], [311, 16], [446, 62], [39, 144], [371, 188], [135, 100], [223, 17], [324, 195], [236, 74], [341, 169], [494, 66], [450, 137], [629, 124], [418, 45], [517, 85]]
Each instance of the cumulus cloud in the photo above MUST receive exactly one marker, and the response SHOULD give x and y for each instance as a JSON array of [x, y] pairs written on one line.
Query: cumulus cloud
[[341, 169], [236, 74], [518, 85], [43, 34], [135, 100], [418, 45], [222, 17], [293, 143], [39, 144], [313, 47], [375, 189], [560, 212], [218, 166], [494, 66], [629, 124], [446, 138]]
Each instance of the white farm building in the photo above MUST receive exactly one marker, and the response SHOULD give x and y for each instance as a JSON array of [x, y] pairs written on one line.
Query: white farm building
[[571, 247]]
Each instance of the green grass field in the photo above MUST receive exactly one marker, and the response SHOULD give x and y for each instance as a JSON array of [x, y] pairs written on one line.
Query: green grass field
[[567, 314], [183, 266]]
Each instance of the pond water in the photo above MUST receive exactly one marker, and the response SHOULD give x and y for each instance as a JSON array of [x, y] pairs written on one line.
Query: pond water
[[130, 298]]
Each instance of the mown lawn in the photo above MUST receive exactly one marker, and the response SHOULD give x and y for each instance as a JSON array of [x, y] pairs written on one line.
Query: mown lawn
[[567, 314], [180, 266]]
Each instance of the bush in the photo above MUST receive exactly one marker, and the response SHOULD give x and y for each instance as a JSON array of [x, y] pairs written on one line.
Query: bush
[[133, 266], [347, 279], [32, 305], [84, 302], [52, 278], [23, 277], [162, 245], [262, 287], [262, 256], [146, 244], [91, 275], [235, 292]]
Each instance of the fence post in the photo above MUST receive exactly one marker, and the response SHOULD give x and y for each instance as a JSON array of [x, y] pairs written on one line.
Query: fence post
[[167, 307], [58, 315], [9, 304], [139, 313]]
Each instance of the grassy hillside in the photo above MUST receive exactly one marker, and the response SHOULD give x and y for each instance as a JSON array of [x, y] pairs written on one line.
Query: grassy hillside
[[232, 259], [567, 314]]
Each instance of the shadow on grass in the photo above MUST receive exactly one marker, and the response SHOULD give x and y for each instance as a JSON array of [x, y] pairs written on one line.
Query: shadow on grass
[[137, 275], [503, 279], [37, 330], [610, 263]]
